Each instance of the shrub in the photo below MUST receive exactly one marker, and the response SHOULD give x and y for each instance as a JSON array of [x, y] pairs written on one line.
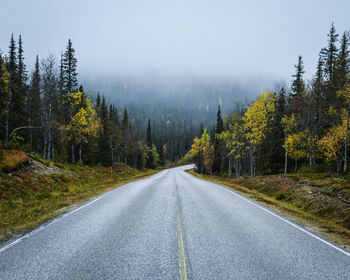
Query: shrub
[[316, 168]]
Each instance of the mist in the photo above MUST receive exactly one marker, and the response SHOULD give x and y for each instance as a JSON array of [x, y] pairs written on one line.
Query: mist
[[234, 39]]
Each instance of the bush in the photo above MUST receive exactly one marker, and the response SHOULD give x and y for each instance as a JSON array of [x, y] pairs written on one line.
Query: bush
[[316, 168]]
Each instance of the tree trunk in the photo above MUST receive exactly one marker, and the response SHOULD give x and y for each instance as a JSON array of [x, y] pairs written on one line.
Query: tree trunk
[[346, 144], [80, 151], [236, 168], [251, 160], [49, 136], [7, 118], [285, 161], [296, 165], [230, 159], [72, 147], [30, 132]]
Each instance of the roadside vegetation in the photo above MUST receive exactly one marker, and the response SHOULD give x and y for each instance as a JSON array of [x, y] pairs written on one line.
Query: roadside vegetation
[[33, 190], [320, 202], [305, 126]]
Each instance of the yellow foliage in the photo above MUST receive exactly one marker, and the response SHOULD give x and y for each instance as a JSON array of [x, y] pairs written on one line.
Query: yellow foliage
[[332, 143], [84, 122], [234, 137], [258, 116], [299, 145]]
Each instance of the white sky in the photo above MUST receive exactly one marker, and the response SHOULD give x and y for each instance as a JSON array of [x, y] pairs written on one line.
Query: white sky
[[227, 38]]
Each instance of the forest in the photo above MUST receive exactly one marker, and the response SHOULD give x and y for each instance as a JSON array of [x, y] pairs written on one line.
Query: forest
[[48, 113], [302, 128]]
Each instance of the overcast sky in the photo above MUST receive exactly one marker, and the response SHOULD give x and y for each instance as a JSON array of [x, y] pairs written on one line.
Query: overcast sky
[[228, 38]]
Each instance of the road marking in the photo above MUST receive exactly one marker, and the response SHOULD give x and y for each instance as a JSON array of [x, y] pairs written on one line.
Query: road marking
[[40, 228], [281, 218], [180, 241]]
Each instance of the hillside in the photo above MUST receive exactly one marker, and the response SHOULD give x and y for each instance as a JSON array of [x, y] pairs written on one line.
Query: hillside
[[33, 190]]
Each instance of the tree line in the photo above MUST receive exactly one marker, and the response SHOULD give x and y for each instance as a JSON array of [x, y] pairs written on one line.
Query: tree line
[[48, 113], [302, 127]]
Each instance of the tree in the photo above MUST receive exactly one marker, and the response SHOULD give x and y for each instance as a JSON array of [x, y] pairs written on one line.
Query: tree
[[11, 66], [69, 69], [84, 121], [332, 143], [256, 122], [298, 86], [34, 101], [329, 56], [342, 66], [150, 160], [49, 103], [218, 144], [345, 94], [4, 92], [289, 124], [234, 139], [104, 156], [295, 147]]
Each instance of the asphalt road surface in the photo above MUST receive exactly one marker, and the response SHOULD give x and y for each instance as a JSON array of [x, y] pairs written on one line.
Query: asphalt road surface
[[171, 226]]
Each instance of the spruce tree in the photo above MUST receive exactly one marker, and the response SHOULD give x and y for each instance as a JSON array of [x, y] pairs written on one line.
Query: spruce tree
[[218, 144], [11, 66], [34, 101], [149, 142], [104, 156], [343, 60], [69, 69], [4, 93], [298, 86], [330, 54]]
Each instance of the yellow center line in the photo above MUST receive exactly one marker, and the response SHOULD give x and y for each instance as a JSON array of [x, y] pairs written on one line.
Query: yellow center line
[[180, 242]]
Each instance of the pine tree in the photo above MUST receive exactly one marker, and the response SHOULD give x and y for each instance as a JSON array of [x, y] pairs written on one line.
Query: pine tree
[[34, 101], [149, 142], [69, 71], [330, 55], [298, 86], [218, 143], [98, 100], [4, 81], [343, 60], [104, 156], [11, 66]]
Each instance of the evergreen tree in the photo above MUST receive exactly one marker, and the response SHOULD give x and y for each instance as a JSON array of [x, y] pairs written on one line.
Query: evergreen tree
[[4, 81], [149, 162], [69, 71], [104, 156], [343, 60], [330, 55], [298, 86], [34, 101], [297, 98], [218, 144]]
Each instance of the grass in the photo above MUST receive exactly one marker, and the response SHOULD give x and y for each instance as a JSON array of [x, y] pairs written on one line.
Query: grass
[[40, 190], [313, 200], [12, 159]]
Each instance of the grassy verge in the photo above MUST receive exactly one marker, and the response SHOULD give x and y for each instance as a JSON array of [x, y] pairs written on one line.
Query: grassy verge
[[39, 190], [306, 199]]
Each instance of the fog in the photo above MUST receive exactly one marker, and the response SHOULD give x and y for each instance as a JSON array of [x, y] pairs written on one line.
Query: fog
[[184, 37], [161, 55]]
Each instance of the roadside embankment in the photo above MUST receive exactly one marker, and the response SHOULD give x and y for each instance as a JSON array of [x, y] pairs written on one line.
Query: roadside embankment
[[34, 190], [319, 202]]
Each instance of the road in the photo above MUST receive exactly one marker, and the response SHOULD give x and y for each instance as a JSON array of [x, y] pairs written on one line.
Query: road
[[171, 226]]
